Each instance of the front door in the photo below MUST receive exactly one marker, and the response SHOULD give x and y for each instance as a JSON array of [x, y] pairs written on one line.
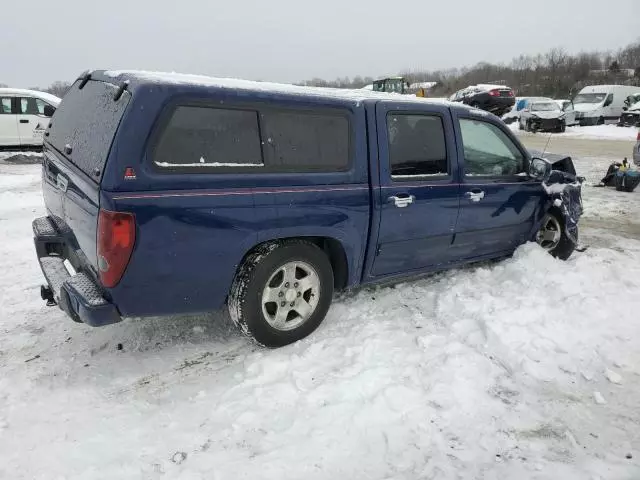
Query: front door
[[31, 120], [499, 202], [8, 123], [418, 190]]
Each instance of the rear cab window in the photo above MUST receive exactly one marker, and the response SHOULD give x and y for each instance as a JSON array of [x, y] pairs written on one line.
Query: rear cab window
[[262, 138], [417, 145], [6, 106], [86, 123]]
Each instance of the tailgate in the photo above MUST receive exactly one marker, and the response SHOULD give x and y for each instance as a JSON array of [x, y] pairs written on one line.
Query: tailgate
[[72, 203], [76, 150]]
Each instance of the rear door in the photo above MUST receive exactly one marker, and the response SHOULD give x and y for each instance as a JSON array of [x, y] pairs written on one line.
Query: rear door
[[419, 194], [32, 121], [76, 149], [8, 122], [499, 202]]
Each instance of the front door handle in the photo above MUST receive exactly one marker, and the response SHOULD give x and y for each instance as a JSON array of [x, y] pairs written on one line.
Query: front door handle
[[402, 201], [475, 195], [24, 120], [62, 182]]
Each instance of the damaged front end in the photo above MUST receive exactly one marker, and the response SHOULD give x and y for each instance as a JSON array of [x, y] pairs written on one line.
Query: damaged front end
[[563, 189], [564, 192]]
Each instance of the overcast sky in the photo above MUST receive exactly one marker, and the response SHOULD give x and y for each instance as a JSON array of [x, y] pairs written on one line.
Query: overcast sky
[[293, 40]]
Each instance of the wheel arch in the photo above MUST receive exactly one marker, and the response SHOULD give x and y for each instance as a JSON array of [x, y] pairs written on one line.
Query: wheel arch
[[332, 247]]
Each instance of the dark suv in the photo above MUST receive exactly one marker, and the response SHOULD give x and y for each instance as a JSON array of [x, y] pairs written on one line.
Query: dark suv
[[496, 99]]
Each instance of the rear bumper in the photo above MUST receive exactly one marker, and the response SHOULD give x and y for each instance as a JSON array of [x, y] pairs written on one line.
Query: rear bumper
[[77, 295]]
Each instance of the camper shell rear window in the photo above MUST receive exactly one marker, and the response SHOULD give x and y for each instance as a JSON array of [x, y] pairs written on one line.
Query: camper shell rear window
[[85, 124]]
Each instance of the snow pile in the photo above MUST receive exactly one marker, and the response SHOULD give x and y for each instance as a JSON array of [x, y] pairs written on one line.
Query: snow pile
[[600, 132], [527, 368]]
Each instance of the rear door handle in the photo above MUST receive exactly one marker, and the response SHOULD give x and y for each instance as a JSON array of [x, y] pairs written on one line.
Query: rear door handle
[[475, 195], [402, 201], [24, 120]]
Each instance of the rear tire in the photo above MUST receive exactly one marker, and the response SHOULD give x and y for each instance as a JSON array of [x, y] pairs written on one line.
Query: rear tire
[[552, 236], [600, 121], [281, 292]]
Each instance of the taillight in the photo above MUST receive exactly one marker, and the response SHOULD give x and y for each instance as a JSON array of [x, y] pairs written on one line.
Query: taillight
[[116, 238], [494, 93], [511, 94]]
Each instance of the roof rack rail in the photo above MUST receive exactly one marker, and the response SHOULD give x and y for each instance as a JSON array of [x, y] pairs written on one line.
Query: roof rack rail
[[123, 86], [84, 78]]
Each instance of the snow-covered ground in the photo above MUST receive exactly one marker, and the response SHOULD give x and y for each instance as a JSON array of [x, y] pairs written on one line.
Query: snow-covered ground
[[524, 369], [601, 132]]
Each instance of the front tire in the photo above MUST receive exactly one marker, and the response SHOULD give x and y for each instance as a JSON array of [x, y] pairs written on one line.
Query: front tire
[[552, 236], [281, 292]]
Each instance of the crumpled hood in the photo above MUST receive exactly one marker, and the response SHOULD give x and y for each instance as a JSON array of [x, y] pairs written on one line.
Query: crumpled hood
[[586, 107], [635, 108], [547, 115]]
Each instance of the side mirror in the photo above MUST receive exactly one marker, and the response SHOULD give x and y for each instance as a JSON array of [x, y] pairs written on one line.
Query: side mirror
[[49, 111], [608, 101], [539, 169]]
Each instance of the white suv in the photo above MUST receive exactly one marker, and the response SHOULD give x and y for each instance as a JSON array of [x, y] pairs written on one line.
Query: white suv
[[24, 116]]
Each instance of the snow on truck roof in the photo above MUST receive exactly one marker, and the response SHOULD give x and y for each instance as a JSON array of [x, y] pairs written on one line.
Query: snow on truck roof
[[355, 96], [47, 97]]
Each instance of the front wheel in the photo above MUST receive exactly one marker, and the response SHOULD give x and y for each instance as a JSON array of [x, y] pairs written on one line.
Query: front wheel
[[552, 236], [281, 292]]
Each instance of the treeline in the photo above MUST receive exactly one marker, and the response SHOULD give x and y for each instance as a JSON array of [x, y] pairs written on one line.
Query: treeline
[[555, 73]]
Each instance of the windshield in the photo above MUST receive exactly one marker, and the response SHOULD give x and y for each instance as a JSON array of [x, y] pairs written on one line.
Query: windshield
[[395, 85], [544, 107], [589, 98]]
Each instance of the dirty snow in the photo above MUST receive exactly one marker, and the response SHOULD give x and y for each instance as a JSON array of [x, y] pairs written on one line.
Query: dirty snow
[[527, 368], [600, 132]]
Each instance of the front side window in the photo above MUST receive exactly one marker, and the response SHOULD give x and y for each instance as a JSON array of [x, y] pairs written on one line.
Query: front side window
[[300, 140], [204, 136], [416, 145], [29, 106], [5, 105], [488, 150]]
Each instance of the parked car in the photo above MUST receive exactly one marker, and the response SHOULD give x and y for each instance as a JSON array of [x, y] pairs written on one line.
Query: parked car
[[496, 99], [520, 104], [173, 194], [542, 116], [600, 104], [630, 116], [569, 111], [24, 116]]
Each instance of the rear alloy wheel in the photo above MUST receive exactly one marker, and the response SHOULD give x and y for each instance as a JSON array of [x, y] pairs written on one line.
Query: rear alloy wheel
[[291, 295], [282, 292], [553, 238]]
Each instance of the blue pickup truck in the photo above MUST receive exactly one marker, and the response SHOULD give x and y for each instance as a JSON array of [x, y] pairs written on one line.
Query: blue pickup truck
[[172, 194]]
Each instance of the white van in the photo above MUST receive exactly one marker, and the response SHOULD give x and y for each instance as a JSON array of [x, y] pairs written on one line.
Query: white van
[[599, 104], [24, 116]]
